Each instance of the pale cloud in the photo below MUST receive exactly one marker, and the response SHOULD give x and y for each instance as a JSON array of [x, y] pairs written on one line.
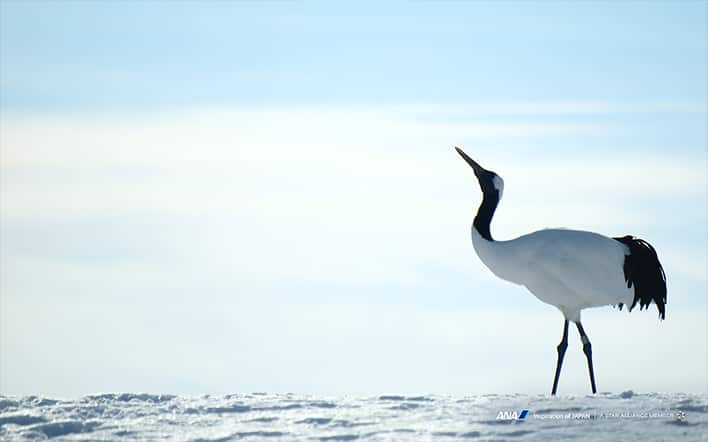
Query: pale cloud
[[266, 159], [223, 347], [240, 221], [287, 193], [551, 108]]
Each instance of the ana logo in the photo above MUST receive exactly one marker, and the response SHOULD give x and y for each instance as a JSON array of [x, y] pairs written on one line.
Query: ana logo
[[512, 415]]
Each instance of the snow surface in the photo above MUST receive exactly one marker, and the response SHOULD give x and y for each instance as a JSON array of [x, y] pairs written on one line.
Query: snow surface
[[626, 416]]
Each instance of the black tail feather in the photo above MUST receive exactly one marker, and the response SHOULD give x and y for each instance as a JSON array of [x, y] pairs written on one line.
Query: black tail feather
[[643, 270]]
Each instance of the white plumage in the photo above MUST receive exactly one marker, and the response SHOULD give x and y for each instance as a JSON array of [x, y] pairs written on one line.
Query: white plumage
[[569, 269]]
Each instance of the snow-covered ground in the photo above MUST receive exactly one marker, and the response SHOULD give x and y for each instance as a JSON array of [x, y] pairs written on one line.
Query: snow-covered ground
[[625, 416]]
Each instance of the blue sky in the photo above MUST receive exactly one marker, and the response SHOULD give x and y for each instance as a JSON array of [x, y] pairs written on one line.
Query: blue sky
[[224, 196], [162, 54]]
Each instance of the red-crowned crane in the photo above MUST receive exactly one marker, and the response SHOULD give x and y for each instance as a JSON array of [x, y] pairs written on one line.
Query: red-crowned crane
[[569, 269]]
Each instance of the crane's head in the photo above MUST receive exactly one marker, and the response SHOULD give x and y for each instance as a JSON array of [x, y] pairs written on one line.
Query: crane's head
[[492, 184]]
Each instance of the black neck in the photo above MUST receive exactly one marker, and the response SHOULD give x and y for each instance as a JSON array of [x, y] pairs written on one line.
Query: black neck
[[485, 213]]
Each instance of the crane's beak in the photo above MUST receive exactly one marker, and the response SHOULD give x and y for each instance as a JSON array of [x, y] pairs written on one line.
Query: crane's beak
[[477, 168]]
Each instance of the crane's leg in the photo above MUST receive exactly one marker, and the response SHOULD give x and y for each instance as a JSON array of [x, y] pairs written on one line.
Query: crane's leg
[[561, 353], [587, 349]]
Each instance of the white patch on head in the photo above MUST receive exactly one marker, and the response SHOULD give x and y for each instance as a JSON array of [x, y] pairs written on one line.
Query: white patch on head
[[498, 184]]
